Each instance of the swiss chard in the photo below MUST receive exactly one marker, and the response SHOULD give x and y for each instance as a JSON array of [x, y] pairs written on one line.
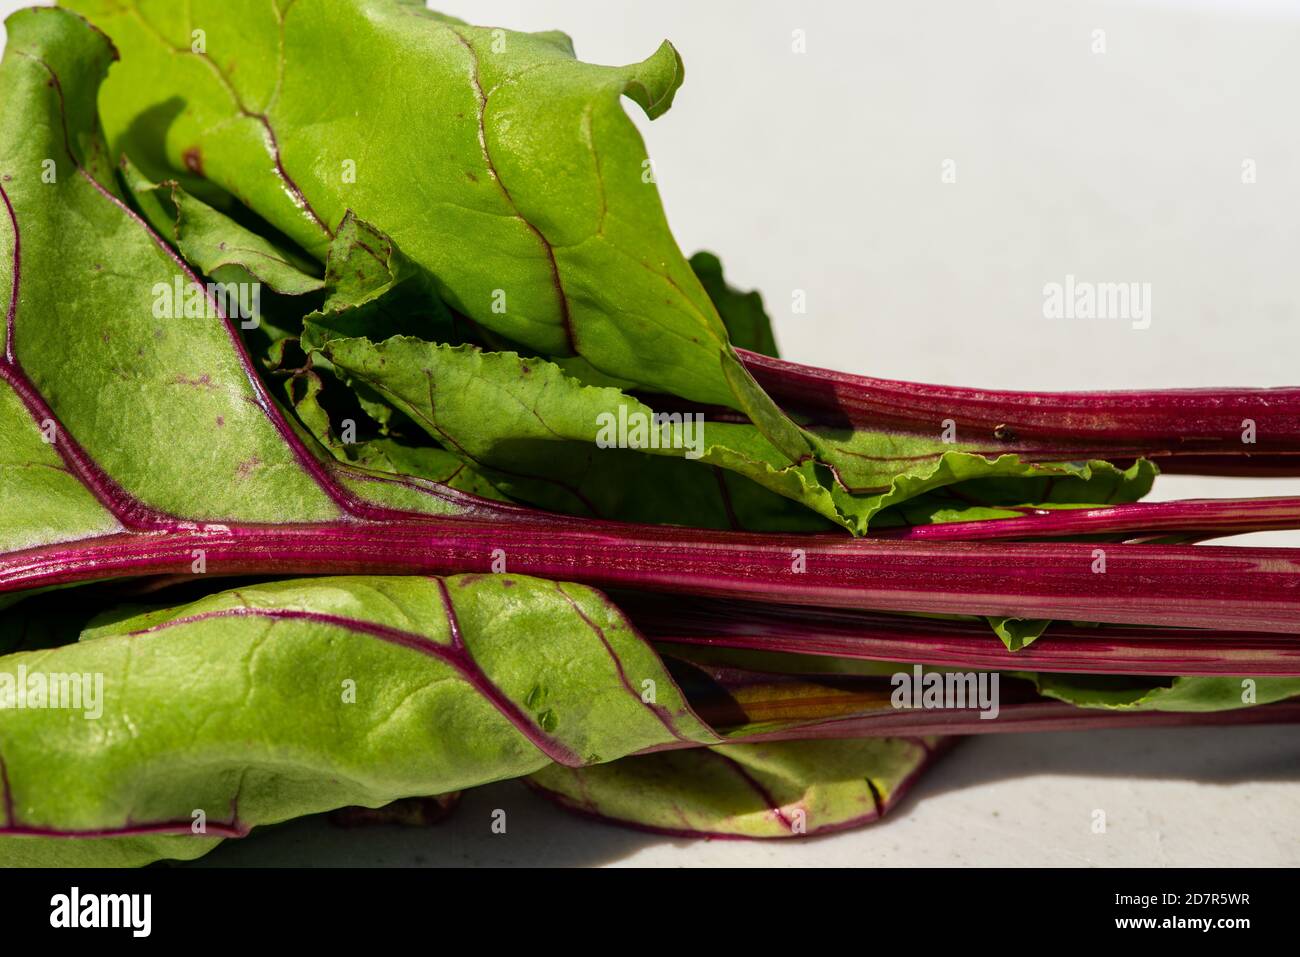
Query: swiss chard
[[201, 471], [428, 686], [273, 701], [524, 151], [465, 305]]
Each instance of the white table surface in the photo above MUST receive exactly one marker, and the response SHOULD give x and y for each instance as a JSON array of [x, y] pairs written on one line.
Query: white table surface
[[821, 172]]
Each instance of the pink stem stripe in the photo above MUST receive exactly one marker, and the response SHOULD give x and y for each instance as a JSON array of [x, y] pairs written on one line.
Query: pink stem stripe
[[1203, 425], [1201, 517], [1064, 648], [1042, 715], [1249, 589]]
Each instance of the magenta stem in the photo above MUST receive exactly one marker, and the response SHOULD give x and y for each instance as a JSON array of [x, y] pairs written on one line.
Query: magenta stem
[[1250, 589], [1201, 518], [1188, 430], [1040, 715], [1064, 648]]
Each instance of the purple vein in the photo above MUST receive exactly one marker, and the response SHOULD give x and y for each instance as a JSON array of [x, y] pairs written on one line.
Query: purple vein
[[17, 273], [122, 506], [296, 195], [756, 786], [658, 710], [1202, 516], [8, 793], [566, 318], [130, 829], [295, 191], [457, 658], [553, 749], [347, 502]]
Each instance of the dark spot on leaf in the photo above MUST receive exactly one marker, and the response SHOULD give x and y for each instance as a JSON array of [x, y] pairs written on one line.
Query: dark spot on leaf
[[221, 421], [472, 177], [246, 467], [193, 159]]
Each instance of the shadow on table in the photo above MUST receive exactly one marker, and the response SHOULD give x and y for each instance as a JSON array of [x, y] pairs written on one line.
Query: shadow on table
[[1216, 756], [539, 834]]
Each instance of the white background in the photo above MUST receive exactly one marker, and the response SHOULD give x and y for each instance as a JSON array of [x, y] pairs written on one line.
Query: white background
[[821, 172]]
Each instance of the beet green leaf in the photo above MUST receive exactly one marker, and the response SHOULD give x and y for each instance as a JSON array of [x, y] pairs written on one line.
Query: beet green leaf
[[277, 700], [771, 790]]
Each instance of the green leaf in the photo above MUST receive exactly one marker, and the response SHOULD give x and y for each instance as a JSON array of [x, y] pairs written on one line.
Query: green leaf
[[1017, 633], [547, 231], [155, 418], [748, 324], [506, 415], [983, 499], [283, 699], [534, 432], [549, 228], [213, 243], [382, 455], [426, 462], [373, 290], [40, 501], [777, 790], [163, 405], [875, 471], [1188, 693]]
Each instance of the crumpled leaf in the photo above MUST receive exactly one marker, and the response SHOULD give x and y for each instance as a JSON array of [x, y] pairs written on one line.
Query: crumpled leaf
[[213, 243], [372, 286], [773, 790], [549, 229], [533, 431], [982, 499], [277, 700], [534, 405], [380, 454]]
